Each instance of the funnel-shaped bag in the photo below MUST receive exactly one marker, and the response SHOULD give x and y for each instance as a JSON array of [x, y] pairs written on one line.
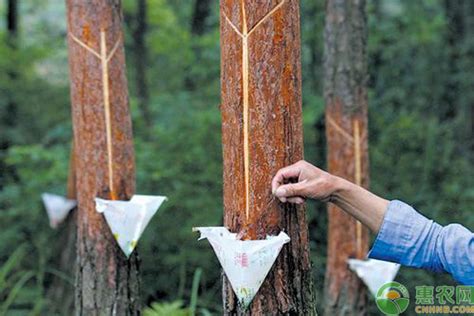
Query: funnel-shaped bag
[[374, 273], [57, 207], [128, 219], [245, 262]]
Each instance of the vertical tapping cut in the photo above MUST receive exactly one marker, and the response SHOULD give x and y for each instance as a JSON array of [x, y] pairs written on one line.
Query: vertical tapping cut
[[245, 115], [108, 123], [104, 60], [358, 181], [244, 35]]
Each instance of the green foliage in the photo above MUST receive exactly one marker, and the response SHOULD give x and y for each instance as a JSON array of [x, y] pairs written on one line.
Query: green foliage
[[13, 280], [163, 309], [420, 140], [176, 308]]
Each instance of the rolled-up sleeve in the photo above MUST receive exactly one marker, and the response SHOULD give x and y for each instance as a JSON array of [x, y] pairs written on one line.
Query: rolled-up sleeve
[[409, 238]]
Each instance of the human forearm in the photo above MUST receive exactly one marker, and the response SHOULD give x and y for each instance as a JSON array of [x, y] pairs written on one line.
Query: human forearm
[[302, 180], [360, 203], [403, 235]]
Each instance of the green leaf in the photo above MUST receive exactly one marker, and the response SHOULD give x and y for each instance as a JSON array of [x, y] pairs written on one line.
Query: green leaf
[[15, 291]]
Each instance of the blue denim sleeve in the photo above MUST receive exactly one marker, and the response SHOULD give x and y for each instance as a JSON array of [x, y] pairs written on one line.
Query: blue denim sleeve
[[409, 238]]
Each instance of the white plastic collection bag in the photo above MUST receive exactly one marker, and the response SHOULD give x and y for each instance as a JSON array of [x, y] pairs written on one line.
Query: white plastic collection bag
[[128, 219], [57, 207], [245, 262], [374, 273]]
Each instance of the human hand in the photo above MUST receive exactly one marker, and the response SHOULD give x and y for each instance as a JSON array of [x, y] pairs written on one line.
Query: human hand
[[311, 182]]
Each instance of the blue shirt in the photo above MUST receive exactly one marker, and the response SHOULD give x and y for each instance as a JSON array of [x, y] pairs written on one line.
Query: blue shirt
[[409, 238]]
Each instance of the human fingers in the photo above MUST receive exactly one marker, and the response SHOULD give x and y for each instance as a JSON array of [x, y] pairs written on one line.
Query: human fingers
[[296, 200], [285, 191], [288, 172]]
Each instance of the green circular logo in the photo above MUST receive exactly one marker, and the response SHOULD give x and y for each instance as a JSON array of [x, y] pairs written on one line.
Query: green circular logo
[[392, 298]]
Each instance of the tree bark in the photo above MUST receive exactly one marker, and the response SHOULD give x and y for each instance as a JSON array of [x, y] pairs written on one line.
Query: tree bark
[[106, 282], [345, 93], [262, 132]]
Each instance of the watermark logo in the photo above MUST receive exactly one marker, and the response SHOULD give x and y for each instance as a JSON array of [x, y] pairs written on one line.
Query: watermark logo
[[392, 298], [444, 299]]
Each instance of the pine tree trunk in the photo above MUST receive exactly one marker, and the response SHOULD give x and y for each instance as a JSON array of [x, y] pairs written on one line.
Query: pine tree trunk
[[262, 132], [106, 282], [345, 94]]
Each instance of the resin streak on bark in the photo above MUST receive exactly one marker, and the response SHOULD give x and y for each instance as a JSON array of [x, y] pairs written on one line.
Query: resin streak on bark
[[262, 132], [346, 130], [106, 282]]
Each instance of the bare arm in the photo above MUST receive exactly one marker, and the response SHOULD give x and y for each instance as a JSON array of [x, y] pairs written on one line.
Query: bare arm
[[407, 237], [312, 182]]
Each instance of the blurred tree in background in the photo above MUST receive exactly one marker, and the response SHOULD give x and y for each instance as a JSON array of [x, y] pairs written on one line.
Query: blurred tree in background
[[421, 121]]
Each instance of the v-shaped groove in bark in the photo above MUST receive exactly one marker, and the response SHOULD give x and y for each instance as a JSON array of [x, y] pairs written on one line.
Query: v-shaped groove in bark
[[245, 89], [339, 129], [104, 59], [354, 139], [233, 25], [266, 17], [81, 43]]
